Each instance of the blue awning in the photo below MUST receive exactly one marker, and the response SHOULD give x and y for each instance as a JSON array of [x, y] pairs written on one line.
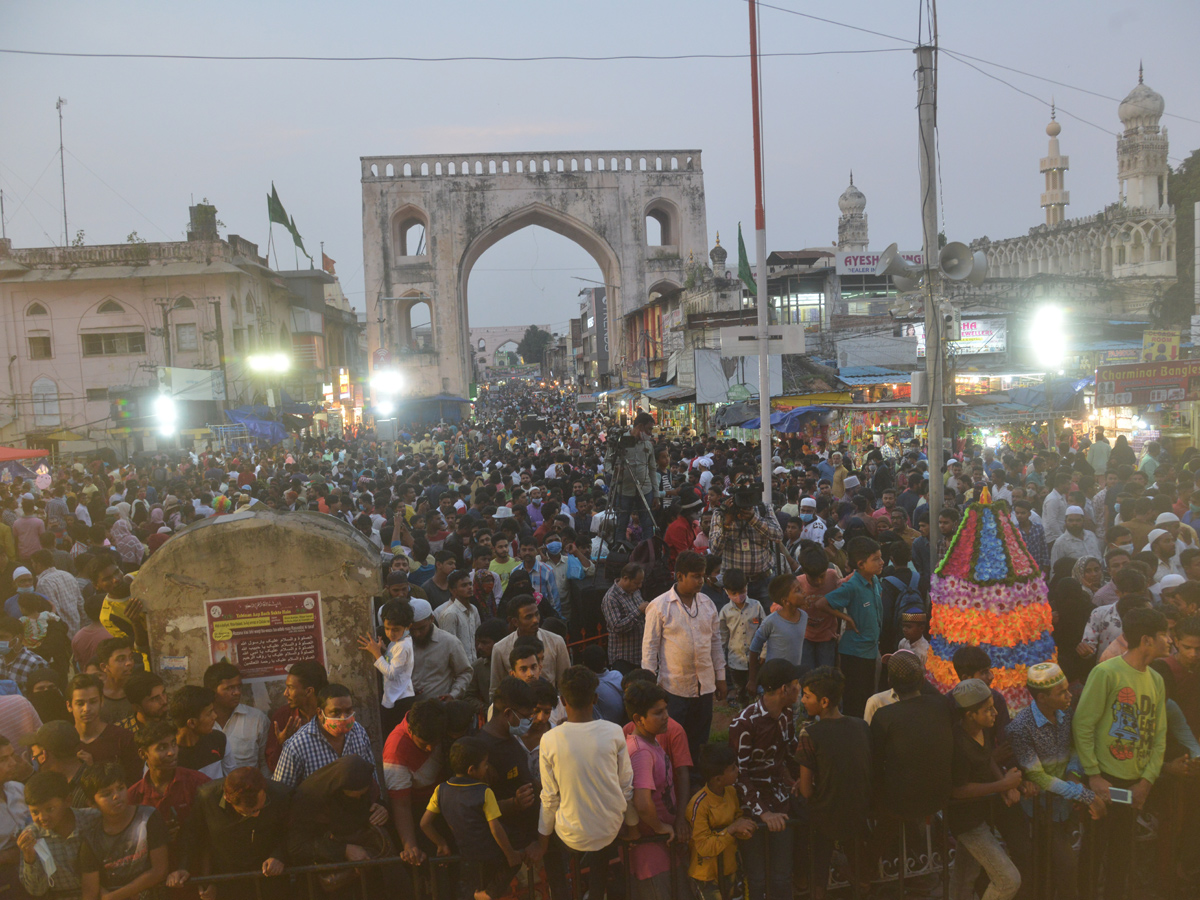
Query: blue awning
[[789, 421], [256, 427]]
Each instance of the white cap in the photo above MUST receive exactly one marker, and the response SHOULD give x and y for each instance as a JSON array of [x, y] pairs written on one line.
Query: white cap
[[1166, 518], [1155, 535], [19, 571], [779, 470], [1171, 581], [809, 503], [851, 481], [420, 608], [503, 512], [1074, 510]]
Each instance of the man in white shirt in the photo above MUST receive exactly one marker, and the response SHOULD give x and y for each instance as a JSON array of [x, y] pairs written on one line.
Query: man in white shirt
[[245, 727], [682, 643], [1162, 545], [459, 617], [1075, 542], [1054, 507], [587, 779], [524, 620]]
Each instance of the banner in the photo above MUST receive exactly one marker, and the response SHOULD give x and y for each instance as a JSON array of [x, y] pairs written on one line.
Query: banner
[[1160, 346], [978, 336], [263, 636], [863, 262], [1141, 383]]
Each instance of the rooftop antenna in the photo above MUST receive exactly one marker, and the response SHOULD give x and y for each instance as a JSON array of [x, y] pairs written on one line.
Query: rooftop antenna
[[62, 168]]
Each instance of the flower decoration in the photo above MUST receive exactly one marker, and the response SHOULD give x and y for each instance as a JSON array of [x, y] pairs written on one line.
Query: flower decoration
[[988, 592]]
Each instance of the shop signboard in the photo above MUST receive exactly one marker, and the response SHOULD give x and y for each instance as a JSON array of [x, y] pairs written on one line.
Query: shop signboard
[[1142, 383], [978, 336], [1160, 346], [863, 262], [262, 636]]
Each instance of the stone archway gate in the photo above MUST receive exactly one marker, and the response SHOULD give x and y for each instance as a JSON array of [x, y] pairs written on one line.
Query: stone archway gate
[[466, 203]]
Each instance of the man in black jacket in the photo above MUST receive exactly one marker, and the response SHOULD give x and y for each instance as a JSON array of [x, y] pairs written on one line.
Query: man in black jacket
[[238, 823]]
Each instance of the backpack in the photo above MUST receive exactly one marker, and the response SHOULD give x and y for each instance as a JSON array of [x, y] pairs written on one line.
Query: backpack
[[908, 596]]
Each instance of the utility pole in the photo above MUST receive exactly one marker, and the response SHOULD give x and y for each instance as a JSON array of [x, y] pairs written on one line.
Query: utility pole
[[3, 228], [62, 170], [760, 246], [934, 346]]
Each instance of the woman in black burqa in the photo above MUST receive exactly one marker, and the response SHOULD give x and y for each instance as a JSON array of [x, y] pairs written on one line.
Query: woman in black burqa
[[331, 820]]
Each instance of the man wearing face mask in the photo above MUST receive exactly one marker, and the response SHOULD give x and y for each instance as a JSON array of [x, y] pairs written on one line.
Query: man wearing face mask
[[24, 583], [329, 735], [813, 525], [512, 710]]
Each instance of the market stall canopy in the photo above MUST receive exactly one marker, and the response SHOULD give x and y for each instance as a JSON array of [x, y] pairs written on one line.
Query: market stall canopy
[[1025, 403], [789, 421], [860, 376], [669, 395], [256, 427], [7, 453]]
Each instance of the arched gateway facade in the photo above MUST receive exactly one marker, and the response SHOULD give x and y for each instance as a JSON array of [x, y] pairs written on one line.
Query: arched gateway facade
[[427, 219]]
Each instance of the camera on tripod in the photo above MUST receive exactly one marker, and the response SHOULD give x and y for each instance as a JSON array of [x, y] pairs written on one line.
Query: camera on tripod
[[622, 438]]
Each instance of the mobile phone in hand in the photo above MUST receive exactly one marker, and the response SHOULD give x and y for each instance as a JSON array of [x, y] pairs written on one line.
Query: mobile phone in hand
[[1120, 795]]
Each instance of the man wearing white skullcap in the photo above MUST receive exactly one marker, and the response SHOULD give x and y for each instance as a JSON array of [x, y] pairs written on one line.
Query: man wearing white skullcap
[[441, 669], [1075, 542]]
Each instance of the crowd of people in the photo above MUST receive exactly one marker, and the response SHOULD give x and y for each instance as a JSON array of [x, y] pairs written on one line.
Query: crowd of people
[[569, 605]]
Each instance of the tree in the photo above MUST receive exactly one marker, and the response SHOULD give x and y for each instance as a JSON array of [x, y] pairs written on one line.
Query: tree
[[1183, 188], [534, 344]]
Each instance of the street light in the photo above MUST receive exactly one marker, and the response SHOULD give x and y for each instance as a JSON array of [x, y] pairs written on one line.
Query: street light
[[271, 364], [1046, 338], [275, 363], [167, 414], [387, 381]]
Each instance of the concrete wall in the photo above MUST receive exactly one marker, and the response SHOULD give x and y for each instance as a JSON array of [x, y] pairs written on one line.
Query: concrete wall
[[879, 350], [468, 203], [257, 554]]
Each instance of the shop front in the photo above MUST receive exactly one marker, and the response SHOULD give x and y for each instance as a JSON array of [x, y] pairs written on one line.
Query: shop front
[[1153, 401]]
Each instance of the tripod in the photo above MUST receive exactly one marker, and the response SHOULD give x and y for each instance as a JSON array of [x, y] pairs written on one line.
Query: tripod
[[608, 531]]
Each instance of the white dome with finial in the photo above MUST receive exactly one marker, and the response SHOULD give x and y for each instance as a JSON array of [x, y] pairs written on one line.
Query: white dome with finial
[[852, 200], [1143, 105]]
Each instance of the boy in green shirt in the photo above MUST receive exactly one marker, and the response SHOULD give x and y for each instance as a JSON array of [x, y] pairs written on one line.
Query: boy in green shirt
[[1120, 734], [860, 598]]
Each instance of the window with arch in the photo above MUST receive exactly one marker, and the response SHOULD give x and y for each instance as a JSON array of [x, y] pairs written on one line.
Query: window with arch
[[662, 224], [45, 403], [482, 344], [409, 225], [36, 309], [416, 327], [110, 306], [184, 303]]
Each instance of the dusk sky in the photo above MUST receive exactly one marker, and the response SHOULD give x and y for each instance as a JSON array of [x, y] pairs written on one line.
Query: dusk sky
[[146, 137]]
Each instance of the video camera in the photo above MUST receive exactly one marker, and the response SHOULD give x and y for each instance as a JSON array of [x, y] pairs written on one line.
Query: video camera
[[621, 438], [744, 497]]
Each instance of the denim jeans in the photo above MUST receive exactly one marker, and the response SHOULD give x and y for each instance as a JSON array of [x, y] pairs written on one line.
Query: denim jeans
[[767, 862], [979, 847], [631, 503], [818, 653]]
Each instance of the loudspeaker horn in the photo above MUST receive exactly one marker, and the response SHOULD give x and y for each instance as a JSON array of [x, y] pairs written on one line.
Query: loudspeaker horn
[[905, 285], [979, 269], [956, 261], [892, 264]]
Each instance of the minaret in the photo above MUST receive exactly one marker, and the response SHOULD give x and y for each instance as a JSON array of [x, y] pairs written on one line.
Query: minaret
[[1142, 149], [718, 255], [1054, 167], [852, 225]]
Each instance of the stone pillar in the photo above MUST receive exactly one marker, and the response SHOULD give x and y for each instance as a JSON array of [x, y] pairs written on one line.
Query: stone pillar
[[264, 554]]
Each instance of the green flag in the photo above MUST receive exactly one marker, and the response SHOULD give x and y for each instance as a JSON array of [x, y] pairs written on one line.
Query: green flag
[[744, 273], [296, 237], [275, 210]]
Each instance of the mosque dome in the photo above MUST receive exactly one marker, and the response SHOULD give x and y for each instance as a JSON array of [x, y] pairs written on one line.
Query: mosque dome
[[1143, 105], [852, 200]]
